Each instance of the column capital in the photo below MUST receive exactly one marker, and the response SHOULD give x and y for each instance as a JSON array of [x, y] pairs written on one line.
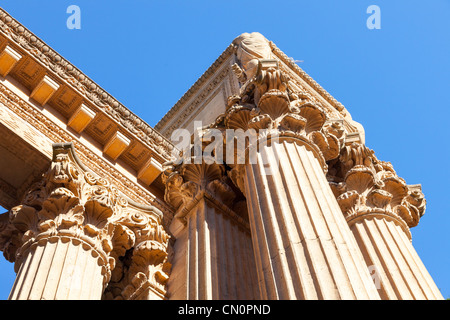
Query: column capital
[[267, 109], [186, 184], [270, 105], [142, 273], [71, 203], [364, 185]]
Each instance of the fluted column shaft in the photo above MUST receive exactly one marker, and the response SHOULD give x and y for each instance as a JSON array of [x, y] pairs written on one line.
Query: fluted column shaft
[[380, 209], [303, 247], [59, 268], [397, 269], [213, 257]]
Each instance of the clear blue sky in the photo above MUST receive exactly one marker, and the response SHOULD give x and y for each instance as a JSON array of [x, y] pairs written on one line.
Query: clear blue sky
[[395, 80]]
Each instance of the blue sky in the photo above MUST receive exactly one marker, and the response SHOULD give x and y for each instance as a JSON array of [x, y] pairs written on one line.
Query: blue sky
[[394, 80]]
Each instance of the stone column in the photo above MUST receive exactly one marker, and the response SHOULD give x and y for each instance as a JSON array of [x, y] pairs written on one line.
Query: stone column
[[213, 252], [69, 232], [380, 208], [303, 246], [60, 268]]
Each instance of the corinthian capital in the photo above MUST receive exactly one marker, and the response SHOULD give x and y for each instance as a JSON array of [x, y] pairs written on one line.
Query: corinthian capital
[[185, 182], [72, 203], [142, 273], [269, 105], [365, 185]]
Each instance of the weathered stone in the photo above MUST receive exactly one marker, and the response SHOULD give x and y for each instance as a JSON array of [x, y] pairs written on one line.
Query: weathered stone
[[277, 196]]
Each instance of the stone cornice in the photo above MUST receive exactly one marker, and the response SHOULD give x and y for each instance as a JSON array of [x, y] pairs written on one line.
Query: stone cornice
[[65, 72], [44, 125]]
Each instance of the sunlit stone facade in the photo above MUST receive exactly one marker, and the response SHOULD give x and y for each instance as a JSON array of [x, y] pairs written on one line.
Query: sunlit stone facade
[[103, 206]]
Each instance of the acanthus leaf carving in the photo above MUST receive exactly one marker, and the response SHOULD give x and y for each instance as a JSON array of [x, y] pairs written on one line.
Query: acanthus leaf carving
[[82, 84], [146, 267], [269, 104], [363, 185], [185, 181], [72, 202]]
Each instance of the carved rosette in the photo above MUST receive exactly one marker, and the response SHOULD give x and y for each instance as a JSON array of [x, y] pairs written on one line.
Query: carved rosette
[[71, 203], [364, 185]]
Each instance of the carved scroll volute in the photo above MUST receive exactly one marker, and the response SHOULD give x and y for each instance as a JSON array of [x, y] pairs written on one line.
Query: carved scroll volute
[[145, 268], [416, 203], [365, 185]]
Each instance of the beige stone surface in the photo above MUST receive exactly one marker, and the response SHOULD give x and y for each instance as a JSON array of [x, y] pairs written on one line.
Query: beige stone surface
[[59, 269], [81, 118], [44, 90], [303, 247], [398, 270], [114, 215], [26, 153], [8, 59], [116, 145], [150, 171], [71, 232], [213, 254], [380, 209]]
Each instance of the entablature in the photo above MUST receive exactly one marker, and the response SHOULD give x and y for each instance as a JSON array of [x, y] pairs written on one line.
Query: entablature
[[51, 81], [49, 95]]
